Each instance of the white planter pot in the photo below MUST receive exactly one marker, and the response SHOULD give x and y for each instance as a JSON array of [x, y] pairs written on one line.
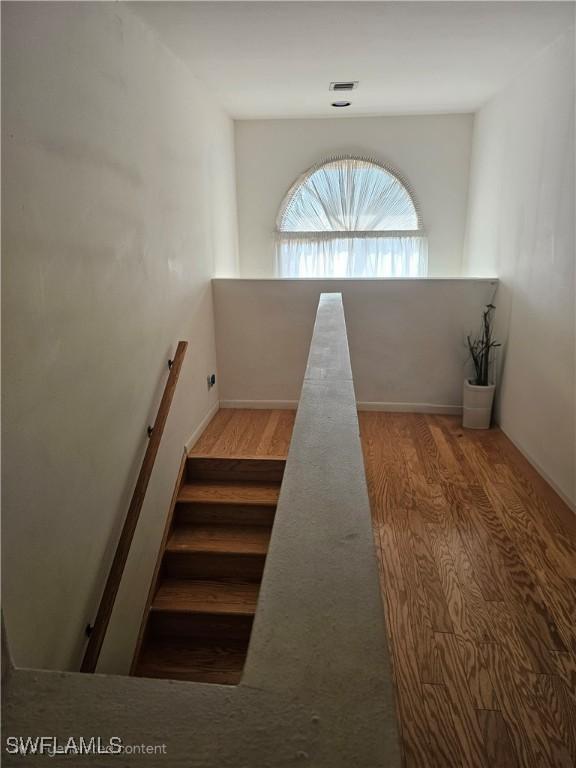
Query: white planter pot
[[477, 405]]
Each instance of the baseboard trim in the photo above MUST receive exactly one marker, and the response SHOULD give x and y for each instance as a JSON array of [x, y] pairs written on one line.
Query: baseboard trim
[[281, 405], [202, 426], [453, 410]]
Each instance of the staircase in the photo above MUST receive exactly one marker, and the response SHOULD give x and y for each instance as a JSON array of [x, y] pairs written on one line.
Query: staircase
[[204, 593]]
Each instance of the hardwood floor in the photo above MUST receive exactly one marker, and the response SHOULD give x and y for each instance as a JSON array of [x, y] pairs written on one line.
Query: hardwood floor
[[247, 433], [477, 557]]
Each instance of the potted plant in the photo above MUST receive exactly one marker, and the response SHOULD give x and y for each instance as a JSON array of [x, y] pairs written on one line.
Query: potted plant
[[479, 391]]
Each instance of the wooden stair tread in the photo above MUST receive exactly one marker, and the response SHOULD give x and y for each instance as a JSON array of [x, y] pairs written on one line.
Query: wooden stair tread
[[234, 456], [231, 492], [201, 661], [205, 596], [221, 539]]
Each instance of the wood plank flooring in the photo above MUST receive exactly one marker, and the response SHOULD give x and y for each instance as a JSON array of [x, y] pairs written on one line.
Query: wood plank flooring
[[477, 559], [248, 433]]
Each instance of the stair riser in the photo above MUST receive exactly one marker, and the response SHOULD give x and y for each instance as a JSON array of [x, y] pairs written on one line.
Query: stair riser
[[250, 470], [183, 565], [224, 514], [183, 625]]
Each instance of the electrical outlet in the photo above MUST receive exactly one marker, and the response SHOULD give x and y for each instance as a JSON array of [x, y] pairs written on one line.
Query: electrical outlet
[[211, 380]]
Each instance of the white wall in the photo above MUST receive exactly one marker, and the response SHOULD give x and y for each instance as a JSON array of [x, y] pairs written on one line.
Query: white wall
[[521, 227], [403, 360], [431, 152], [119, 206]]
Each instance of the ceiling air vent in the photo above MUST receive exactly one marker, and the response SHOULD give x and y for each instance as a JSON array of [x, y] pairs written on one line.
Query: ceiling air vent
[[344, 85]]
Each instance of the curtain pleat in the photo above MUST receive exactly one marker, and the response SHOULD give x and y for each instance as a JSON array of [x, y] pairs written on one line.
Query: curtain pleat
[[398, 256]]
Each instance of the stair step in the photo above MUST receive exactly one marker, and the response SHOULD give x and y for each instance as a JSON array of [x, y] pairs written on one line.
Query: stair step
[[225, 514], [219, 539], [233, 492], [229, 468], [206, 596], [195, 661], [216, 552]]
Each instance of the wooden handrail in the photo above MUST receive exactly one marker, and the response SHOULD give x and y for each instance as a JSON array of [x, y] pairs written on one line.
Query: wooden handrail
[[117, 569]]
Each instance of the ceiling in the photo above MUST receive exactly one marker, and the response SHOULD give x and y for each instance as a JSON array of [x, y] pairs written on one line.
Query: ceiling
[[277, 59]]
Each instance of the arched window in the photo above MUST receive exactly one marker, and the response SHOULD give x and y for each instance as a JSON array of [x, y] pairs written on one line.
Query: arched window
[[350, 217]]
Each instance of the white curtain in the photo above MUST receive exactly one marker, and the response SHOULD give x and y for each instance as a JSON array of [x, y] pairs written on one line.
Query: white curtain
[[396, 256], [350, 217]]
